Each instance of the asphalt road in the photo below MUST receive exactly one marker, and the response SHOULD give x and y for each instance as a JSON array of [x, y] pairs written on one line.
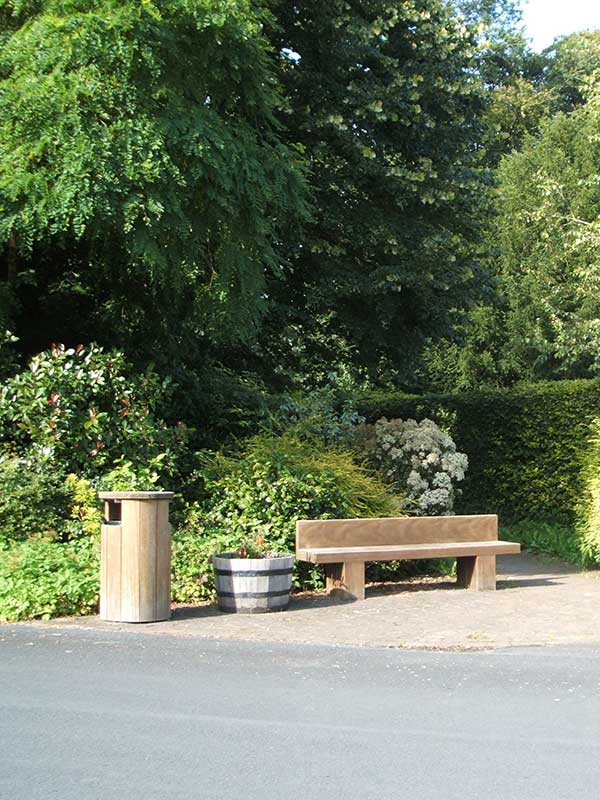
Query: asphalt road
[[86, 715]]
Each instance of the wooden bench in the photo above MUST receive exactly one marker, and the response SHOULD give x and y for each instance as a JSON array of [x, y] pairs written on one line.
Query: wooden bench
[[344, 545]]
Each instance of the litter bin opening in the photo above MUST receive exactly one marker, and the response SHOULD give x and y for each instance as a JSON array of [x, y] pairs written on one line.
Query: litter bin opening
[[112, 512]]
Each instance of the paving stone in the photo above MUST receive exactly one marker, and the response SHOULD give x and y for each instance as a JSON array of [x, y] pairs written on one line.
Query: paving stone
[[537, 602]]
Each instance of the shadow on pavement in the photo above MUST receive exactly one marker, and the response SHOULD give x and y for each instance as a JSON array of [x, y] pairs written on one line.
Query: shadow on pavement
[[516, 573], [297, 603], [518, 583]]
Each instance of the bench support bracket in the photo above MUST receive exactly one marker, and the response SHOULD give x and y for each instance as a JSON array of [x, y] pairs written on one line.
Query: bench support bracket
[[476, 572], [347, 579]]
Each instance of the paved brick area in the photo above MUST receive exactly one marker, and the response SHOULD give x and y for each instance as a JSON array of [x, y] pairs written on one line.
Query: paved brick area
[[537, 603]]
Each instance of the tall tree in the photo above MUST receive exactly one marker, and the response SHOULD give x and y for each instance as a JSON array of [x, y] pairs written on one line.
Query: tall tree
[[542, 319], [503, 51], [573, 68], [144, 185], [384, 103], [549, 231], [513, 74]]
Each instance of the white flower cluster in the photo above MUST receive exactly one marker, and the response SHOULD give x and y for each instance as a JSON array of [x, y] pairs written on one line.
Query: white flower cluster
[[422, 459]]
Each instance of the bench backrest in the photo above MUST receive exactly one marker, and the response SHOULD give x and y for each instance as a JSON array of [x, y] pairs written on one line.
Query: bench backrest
[[395, 531]]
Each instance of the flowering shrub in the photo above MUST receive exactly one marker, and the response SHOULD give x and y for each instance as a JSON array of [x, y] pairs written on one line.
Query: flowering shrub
[[81, 410], [421, 459]]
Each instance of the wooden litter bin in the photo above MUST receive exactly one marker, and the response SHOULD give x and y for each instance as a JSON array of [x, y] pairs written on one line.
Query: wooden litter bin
[[135, 566]]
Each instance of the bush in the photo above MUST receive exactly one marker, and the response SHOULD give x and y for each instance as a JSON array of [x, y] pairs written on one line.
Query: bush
[[273, 481], [588, 516], [420, 459], [40, 579], [192, 576], [547, 539], [85, 516], [326, 414], [8, 357], [37, 501], [235, 403], [82, 410], [524, 445], [33, 501], [270, 483]]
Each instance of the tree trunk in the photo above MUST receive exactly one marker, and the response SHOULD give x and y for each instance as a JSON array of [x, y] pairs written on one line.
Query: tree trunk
[[12, 259]]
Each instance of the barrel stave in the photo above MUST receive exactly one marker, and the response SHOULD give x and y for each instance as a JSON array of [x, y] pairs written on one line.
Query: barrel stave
[[253, 585]]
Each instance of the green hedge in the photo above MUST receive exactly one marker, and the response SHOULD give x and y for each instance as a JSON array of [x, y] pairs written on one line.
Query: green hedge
[[525, 445], [588, 510]]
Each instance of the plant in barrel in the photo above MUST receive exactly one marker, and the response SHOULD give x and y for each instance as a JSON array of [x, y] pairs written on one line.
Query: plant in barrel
[[253, 580]]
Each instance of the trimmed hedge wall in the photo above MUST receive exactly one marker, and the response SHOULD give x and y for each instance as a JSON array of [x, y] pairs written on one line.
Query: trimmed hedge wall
[[525, 445], [588, 523]]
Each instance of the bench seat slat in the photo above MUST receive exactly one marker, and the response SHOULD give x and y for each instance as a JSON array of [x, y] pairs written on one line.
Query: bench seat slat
[[333, 555]]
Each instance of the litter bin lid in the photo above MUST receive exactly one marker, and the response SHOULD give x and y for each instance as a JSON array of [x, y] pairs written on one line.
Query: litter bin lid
[[136, 495]]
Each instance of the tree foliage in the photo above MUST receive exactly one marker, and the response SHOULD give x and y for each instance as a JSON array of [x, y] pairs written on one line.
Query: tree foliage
[[549, 232], [503, 51], [573, 68], [157, 160], [385, 105], [516, 109], [143, 182], [543, 245]]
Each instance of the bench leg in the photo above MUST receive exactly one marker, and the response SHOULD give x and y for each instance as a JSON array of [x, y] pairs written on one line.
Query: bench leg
[[347, 579], [476, 572]]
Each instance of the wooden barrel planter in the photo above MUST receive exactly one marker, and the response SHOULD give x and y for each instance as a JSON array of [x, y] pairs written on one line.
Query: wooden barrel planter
[[252, 585]]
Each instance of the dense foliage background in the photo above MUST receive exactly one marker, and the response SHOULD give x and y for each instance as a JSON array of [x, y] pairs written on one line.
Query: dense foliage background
[[268, 193], [145, 184], [526, 445], [232, 231]]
